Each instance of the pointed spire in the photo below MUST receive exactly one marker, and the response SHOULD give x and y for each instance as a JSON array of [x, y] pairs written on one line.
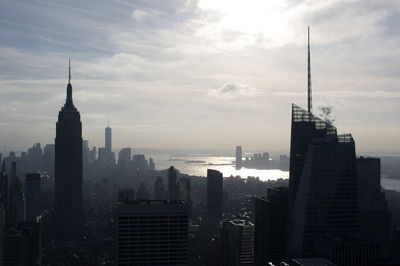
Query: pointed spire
[[309, 75], [69, 71], [68, 101]]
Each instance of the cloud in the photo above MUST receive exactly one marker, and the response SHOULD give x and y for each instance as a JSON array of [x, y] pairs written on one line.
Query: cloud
[[139, 14], [233, 90]]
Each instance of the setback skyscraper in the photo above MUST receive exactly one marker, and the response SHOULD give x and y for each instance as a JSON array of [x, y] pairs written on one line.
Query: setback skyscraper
[[323, 191], [68, 171]]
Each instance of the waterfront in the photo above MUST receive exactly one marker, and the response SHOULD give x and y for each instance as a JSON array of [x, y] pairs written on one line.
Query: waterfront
[[198, 164]]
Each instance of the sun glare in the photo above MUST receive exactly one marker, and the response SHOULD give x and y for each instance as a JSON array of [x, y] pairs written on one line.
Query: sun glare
[[251, 17]]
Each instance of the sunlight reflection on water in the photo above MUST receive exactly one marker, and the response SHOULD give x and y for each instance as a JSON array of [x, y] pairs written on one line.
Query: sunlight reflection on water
[[198, 165]]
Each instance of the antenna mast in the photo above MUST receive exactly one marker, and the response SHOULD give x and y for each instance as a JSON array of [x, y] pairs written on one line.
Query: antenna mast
[[69, 71], [309, 76]]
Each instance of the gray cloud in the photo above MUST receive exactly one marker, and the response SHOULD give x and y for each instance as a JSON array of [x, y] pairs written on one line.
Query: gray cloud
[[233, 90]]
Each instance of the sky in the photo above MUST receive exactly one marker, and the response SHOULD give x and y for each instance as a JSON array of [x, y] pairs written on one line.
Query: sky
[[205, 74]]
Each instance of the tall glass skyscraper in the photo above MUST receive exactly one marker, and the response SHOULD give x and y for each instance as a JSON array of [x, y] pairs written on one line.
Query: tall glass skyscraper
[[323, 183]]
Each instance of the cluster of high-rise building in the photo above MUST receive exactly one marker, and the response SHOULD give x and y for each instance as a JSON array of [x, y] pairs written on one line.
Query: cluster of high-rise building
[[19, 217], [332, 212]]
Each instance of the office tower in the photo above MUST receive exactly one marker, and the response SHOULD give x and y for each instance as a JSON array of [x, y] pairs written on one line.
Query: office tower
[[124, 156], [4, 186], [305, 126], [106, 158], [238, 157], [375, 219], [237, 243], [34, 158], [139, 162], [21, 247], [159, 189], [108, 139], [152, 232], [32, 197], [142, 192], [93, 154], [16, 201], [2, 230], [327, 198], [152, 165], [126, 194], [214, 193], [284, 162], [184, 189], [172, 188], [68, 171], [270, 224], [48, 158], [86, 151]]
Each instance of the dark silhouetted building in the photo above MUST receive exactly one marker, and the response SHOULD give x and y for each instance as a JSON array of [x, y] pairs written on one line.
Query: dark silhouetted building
[[142, 192], [32, 197], [21, 247], [270, 224], [214, 193], [108, 139], [152, 165], [375, 219], [159, 189], [152, 232], [68, 172], [237, 243], [4, 186], [126, 194], [16, 201], [305, 126], [327, 200], [124, 156], [239, 157], [86, 152], [172, 186], [184, 189]]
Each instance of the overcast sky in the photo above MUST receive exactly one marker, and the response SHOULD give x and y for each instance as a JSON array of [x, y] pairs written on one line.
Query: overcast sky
[[206, 74]]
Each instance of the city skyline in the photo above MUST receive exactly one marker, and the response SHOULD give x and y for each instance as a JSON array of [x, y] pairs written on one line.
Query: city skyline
[[166, 76]]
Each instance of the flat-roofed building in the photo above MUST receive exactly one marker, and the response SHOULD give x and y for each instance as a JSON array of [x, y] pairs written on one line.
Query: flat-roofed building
[[152, 232]]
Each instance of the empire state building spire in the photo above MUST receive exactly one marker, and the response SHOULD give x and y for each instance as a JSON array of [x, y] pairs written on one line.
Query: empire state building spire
[[68, 102]]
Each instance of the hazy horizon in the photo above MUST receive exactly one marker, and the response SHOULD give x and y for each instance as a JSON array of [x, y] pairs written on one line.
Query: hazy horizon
[[190, 75]]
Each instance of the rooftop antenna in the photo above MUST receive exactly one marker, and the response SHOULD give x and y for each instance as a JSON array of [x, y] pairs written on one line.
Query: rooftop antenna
[[309, 75], [69, 71]]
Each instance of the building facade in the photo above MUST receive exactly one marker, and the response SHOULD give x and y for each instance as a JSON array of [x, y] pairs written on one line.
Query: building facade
[[152, 232]]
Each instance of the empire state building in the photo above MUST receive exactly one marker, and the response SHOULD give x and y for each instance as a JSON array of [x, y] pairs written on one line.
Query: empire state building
[[68, 171]]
